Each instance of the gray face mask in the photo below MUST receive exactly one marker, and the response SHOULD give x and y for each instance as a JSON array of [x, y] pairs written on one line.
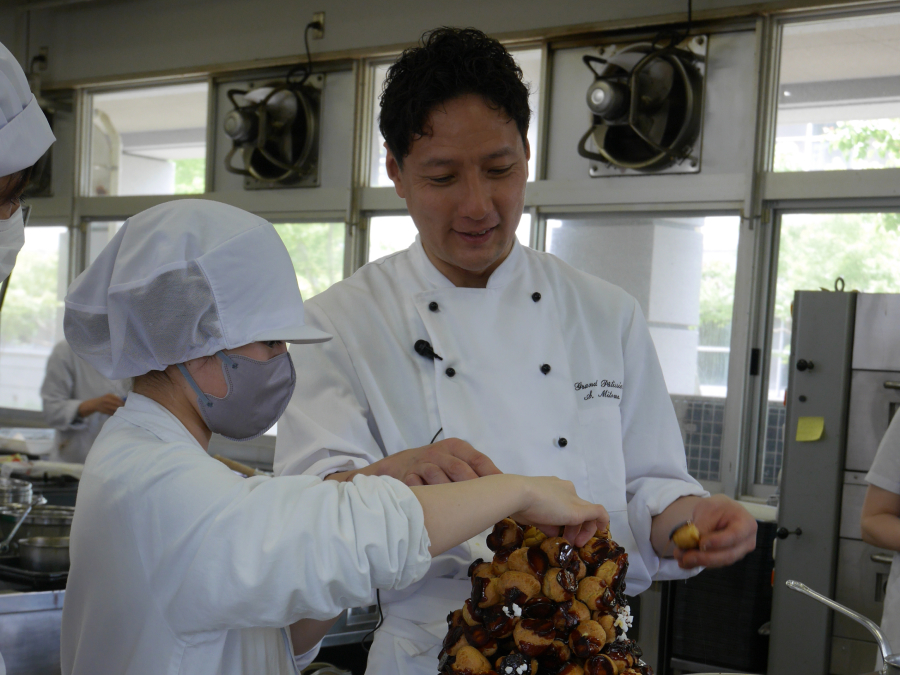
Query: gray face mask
[[258, 393]]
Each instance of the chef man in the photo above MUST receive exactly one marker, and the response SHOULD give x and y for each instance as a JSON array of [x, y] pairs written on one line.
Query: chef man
[[77, 402], [469, 335], [24, 137]]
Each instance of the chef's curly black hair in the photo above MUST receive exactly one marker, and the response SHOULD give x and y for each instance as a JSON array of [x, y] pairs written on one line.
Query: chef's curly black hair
[[449, 62]]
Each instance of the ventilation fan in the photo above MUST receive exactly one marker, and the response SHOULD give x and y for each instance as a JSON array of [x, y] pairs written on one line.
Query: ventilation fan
[[275, 132], [646, 103]]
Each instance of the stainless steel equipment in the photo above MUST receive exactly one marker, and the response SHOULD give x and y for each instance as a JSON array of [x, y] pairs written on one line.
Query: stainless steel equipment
[[845, 369], [889, 658], [45, 554], [30, 630], [4, 546], [43, 521], [15, 491]]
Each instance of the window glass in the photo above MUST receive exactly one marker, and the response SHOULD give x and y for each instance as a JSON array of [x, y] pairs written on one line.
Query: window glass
[[149, 141], [529, 61], [31, 318], [813, 251], [839, 94], [389, 234], [317, 251], [681, 270]]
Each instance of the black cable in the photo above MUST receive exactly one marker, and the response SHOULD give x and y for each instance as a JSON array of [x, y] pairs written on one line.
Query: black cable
[[307, 68], [377, 625], [436, 435]]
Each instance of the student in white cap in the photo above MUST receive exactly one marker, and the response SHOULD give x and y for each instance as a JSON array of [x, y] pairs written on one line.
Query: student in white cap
[[24, 137], [178, 564]]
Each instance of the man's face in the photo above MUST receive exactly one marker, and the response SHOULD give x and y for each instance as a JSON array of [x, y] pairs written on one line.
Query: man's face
[[464, 186]]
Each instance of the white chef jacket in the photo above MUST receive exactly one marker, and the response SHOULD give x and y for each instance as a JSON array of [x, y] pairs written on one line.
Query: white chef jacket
[[69, 381], [181, 566], [12, 239], [367, 394], [885, 473]]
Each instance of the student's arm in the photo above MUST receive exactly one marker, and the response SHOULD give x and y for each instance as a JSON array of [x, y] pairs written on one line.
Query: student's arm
[[455, 512], [880, 521]]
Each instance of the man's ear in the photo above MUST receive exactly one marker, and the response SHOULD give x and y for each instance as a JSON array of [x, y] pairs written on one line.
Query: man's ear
[[393, 172]]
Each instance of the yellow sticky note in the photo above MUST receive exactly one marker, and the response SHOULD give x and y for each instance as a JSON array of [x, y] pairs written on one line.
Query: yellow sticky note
[[810, 428]]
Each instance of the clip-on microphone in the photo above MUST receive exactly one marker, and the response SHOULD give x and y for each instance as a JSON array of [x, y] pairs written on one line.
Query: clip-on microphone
[[423, 347]]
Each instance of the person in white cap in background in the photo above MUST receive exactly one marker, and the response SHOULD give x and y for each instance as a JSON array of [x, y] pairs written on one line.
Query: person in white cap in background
[[77, 402], [181, 566], [25, 136]]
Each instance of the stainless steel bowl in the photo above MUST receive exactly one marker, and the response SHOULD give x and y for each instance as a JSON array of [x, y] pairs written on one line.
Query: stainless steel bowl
[[44, 554], [43, 521]]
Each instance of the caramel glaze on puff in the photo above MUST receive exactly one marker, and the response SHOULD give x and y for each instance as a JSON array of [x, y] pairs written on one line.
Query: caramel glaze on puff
[[613, 570], [559, 585], [485, 592], [479, 568], [531, 560], [471, 614], [594, 593], [587, 639], [534, 636], [500, 562], [559, 551], [570, 669], [500, 621], [519, 587], [555, 656], [506, 534], [569, 614], [600, 665], [624, 653]]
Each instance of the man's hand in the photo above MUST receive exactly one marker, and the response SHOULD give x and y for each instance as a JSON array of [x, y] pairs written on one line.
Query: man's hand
[[447, 461], [106, 404], [727, 534]]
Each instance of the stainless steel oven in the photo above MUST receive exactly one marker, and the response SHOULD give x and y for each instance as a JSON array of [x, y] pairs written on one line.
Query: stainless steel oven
[[845, 378]]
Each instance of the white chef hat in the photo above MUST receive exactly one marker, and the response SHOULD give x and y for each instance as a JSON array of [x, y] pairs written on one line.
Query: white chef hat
[[24, 132], [182, 280]]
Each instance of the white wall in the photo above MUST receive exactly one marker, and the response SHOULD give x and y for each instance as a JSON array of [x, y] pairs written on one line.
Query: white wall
[[119, 37]]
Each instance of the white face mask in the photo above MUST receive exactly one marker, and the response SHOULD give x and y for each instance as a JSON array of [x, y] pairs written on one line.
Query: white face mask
[[12, 238]]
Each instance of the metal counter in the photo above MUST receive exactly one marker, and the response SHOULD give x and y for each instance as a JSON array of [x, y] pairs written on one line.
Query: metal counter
[[29, 630]]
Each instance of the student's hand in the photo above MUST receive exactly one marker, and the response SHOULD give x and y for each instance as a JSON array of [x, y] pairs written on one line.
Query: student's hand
[[106, 404], [727, 534], [448, 461], [553, 503]]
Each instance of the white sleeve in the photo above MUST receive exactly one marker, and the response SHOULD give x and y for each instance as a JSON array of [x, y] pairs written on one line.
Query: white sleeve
[[885, 471], [301, 661], [12, 239], [221, 552], [60, 408], [655, 466], [328, 425]]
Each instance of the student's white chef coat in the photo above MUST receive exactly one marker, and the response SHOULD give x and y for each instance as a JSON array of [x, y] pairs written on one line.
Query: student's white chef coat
[[68, 382], [12, 239], [180, 566], [885, 473], [549, 371]]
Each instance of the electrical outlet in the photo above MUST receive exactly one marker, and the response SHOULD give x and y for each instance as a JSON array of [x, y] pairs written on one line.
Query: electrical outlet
[[318, 33]]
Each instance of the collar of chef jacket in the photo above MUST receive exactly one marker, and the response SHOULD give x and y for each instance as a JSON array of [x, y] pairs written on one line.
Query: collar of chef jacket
[[147, 414], [501, 277]]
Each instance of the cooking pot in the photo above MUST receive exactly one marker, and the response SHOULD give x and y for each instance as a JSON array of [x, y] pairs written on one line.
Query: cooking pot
[[44, 554], [43, 521], [14, 491]]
